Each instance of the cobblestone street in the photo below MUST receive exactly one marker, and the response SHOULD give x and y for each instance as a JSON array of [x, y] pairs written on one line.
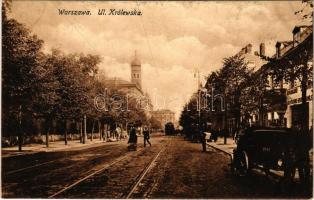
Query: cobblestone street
[[171, 168]]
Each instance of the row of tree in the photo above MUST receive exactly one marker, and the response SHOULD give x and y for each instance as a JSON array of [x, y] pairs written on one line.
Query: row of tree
[[52, 88], [224, 94]]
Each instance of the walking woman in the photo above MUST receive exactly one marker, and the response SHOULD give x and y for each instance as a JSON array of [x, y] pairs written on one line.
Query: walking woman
[[132, 139]]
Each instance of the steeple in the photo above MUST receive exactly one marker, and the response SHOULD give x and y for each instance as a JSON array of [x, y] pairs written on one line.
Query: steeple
[[136, 75]]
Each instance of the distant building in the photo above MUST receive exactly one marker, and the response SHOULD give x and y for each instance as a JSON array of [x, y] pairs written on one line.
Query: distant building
[[136, 72], [133, 88], [164, 116]]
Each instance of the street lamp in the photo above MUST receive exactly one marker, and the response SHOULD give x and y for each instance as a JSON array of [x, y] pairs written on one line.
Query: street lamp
[[199, 90]]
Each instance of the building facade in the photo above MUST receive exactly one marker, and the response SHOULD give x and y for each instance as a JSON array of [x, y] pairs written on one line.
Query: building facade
[[133, 88], [164, 116], [282, 99]]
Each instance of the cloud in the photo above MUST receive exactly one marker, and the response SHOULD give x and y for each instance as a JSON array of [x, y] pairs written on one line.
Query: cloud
[[172, 38]]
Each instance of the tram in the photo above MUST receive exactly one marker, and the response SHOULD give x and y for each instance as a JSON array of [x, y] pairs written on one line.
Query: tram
[[169, 129]]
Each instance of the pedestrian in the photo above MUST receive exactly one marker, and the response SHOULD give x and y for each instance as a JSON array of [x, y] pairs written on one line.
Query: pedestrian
[[203, 140], [132, 139], [146, 136], [118, 133]]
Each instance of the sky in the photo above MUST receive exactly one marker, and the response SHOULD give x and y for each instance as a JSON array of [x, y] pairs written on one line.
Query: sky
[[173, 40]]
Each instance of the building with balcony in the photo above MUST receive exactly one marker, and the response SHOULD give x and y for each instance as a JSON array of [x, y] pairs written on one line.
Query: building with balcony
[[284, 108]]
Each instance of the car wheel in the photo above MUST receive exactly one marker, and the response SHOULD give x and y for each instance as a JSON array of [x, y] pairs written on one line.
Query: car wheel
[[245, 163], [241, 163], [287, 182]]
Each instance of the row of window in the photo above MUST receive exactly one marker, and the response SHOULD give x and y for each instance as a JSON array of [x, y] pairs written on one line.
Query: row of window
[[292, 85]]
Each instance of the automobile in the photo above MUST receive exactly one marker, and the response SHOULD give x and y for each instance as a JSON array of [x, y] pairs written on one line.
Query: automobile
[[266, 148]]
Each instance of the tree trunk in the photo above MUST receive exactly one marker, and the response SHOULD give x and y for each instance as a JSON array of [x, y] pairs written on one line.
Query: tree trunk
[[99, 130], [261, 115], [226, 122], [305, 139], [106, 132], [238, 112], [84, 133], [304, 122], [48, 122], [91, 138], [47, 137], [20, 135], [66, 133], [81, 132]]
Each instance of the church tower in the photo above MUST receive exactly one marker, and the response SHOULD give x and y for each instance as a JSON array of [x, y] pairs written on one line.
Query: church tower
[[136, 75]]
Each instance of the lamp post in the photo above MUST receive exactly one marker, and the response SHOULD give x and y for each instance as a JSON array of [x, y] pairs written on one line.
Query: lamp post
[[199, 90]]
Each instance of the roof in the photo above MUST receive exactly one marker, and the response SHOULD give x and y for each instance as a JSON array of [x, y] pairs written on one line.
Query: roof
[[285, 43], [120, 83], [117, 81], [297, 28], [288, 48]]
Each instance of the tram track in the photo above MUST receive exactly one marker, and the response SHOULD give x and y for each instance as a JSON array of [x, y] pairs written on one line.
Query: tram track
[[88, 176], [15, 171], [91, 178], [141, 177]]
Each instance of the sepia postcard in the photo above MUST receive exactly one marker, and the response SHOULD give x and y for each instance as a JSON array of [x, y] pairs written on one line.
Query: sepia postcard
[[157, 99]]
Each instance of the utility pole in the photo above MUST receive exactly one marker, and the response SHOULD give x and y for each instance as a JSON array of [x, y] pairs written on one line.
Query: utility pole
[[199, 101], [81, 131]]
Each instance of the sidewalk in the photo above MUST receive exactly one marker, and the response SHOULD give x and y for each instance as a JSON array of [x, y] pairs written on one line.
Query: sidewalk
[[53, 146], [226, 148]]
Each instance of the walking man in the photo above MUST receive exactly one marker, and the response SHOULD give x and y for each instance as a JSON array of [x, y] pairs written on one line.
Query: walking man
[[146, 136], [203, 138]]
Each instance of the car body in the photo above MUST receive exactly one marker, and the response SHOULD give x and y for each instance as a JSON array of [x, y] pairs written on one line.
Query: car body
[[269, 148]]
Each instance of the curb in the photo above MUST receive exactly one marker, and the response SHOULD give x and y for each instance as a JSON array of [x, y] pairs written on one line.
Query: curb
[[42, 150], [223, 151]]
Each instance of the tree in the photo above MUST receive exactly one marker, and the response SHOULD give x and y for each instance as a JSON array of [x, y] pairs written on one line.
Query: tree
[[154, 123], [234, 74], [307, 10], [189, 117], [46, 99], [20, 58], [74, 75]]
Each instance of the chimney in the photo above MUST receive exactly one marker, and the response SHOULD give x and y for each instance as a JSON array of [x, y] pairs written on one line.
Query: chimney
[[248, 48], [278, 50], [296, 35], [262, 49]]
